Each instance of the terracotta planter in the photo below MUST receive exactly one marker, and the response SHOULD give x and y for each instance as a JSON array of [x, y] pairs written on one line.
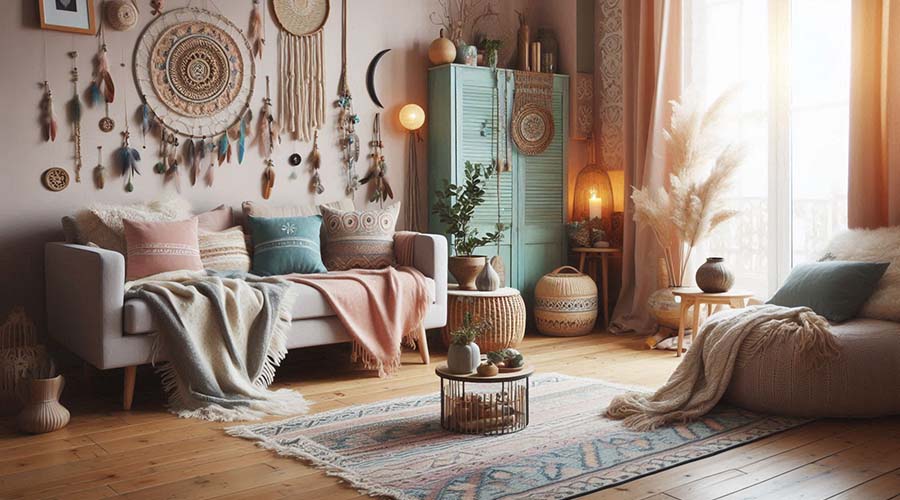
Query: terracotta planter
[[713, 276], [42, 412], [466, 270]]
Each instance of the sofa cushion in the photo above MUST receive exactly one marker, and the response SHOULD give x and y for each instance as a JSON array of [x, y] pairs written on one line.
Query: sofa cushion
[[217, 219], [309, 304], [158, 247], [362, 239], [285, 245], [224, 250]]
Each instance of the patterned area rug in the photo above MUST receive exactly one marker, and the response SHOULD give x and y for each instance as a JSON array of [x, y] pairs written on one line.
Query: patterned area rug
[[397, 448]]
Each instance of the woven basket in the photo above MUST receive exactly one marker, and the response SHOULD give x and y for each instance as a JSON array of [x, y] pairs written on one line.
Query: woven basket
[[565, 303], [505, 314]]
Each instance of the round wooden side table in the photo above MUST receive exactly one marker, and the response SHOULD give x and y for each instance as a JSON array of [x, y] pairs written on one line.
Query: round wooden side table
[[737, 299], [503, 308], [472, 404]]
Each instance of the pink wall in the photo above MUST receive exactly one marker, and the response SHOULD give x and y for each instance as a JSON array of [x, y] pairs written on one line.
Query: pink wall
[[30, 214]]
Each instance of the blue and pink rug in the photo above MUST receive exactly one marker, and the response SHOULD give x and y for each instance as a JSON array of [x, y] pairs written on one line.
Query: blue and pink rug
[[397, 448]]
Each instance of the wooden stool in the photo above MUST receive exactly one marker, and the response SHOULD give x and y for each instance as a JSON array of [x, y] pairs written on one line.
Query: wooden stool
[[503, 308], [585, 255], [737, 299]]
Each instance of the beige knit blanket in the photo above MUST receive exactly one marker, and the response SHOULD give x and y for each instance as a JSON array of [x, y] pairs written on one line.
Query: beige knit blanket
[[727, 339]]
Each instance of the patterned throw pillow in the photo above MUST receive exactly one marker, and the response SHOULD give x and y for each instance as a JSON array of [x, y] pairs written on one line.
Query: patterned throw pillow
[[361, 239], [158, 247], [224, 250], [284, 245]]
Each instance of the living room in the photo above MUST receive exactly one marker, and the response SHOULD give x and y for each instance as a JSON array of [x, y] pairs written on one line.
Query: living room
[[447, 249]]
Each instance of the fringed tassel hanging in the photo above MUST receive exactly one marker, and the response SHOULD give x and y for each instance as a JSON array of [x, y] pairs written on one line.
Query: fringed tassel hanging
[[99, 170], [255, 34], [302, 95]]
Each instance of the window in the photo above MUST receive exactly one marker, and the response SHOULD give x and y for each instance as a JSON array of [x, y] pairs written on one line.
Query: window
[[791, 61]]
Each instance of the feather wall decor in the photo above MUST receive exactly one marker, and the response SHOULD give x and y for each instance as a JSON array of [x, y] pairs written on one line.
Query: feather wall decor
[[315, 161], [381, 190], [267, 129], [146, 121], [99, 170], [189, 155], [48, 115], [224, 149], [210, 176], [103, 88], [255, 34], [127, 159], [268, 179]]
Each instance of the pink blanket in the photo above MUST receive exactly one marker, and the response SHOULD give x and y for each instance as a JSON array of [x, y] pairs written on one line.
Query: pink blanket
[[379, 308]]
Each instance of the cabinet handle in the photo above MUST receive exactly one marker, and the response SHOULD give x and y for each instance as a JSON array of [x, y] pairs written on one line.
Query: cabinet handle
[[484, 128]]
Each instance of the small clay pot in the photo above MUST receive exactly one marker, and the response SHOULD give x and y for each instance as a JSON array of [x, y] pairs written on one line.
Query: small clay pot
[[488, 369], [713, 276], [42, 412]]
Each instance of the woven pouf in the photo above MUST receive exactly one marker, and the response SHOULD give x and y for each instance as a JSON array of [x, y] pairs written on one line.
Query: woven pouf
[[503, 308], [565, 303]]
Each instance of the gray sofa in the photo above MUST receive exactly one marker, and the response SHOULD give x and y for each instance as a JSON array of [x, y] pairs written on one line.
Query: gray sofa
[[87, 313]]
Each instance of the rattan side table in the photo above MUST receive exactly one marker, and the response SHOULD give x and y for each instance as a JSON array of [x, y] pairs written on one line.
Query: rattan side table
[[472, 404], [503, 308]]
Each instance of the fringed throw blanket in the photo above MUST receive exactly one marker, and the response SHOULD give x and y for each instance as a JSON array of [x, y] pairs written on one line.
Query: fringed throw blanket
[[379, 308], [224, 337], [726, 339]]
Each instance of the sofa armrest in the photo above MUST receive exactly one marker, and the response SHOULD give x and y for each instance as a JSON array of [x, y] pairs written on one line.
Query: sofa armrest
[[85, 297], [430, 257]]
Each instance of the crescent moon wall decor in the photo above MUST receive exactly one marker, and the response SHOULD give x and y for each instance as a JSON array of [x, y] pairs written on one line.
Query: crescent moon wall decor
[[370, 77]]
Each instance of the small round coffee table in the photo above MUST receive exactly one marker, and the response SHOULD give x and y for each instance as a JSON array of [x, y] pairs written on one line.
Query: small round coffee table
[[472, 404], [503, 309], [737, 299]]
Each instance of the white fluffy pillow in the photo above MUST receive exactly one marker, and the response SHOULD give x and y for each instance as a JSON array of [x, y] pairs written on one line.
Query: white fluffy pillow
[[874, 245]]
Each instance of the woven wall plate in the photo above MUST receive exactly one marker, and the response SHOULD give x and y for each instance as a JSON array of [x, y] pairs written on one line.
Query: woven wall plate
[[532, 129], [55, 179], [301, 17], [195, 70]]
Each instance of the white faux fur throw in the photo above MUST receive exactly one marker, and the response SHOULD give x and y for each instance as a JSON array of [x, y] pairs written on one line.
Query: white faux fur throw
[[224, 337], [873, 245], [726, 339], [102, 224]]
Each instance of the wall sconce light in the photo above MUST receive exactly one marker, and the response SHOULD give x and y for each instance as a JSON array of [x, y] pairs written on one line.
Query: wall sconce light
[[412, 117]]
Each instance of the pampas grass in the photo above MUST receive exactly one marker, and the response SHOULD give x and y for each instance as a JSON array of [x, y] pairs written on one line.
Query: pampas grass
[[685, 212]]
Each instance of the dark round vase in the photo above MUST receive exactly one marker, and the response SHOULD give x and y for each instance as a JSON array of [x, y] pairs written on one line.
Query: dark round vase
[[713, 276]]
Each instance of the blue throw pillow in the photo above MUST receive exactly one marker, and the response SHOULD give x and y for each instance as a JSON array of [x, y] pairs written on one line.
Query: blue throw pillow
[[284, 245], [836, 289]]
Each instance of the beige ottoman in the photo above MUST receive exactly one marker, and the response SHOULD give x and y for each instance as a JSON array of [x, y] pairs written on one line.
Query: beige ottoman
[[503, 308]]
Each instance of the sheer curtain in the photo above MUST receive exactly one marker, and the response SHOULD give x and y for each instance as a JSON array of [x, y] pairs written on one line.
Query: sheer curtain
[[791, 62]]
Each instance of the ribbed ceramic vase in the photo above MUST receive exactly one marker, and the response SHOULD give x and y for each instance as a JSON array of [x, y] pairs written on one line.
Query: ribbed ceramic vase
[[713, 276], [42, 412], [463, 358], [488, 280]]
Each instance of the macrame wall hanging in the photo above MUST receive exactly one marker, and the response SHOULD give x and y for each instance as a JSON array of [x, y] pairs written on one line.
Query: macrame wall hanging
[[301, 101], [195, 71], [532, 126]]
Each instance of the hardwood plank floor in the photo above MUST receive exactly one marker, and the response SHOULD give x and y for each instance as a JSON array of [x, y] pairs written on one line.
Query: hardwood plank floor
[[148, 453]]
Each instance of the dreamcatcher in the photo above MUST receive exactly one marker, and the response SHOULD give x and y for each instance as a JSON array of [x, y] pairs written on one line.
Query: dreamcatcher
[[195, 71], [301, 64]]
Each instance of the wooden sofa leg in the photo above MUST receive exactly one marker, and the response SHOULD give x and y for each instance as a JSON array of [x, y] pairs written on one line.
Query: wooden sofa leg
[[128, 392], [423, 346]]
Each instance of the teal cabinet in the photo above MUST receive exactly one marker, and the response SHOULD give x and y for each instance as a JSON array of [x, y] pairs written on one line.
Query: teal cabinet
[[531, 198]]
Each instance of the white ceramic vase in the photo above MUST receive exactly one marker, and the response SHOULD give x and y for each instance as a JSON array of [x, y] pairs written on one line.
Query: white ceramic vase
[[463, 359]]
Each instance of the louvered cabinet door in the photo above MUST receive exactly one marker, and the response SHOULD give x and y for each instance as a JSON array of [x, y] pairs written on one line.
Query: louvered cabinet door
[[475, 93], [542, 181]]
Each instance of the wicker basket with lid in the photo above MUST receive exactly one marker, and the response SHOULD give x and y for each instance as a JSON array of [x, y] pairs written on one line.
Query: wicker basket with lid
[[565, 303]]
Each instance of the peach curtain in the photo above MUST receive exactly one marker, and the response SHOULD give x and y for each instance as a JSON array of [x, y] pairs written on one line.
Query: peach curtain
[[874, 184], [653, 77]]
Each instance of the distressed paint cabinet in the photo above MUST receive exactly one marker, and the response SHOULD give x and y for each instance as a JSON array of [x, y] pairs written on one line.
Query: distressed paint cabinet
[[531, 198]]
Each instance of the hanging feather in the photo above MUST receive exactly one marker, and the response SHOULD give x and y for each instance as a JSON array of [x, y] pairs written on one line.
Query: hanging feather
[[173, 175], [127, 159], [157, 6], [315, 161], [267, 129], [224, 149], [268, 179], [48, 115], [255, 32], [99, 170], [191, 160], [95, 96], [145, 121], [210, 175], [242, 140]]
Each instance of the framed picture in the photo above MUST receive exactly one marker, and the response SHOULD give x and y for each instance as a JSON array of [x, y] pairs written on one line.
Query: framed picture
[[73, 16]]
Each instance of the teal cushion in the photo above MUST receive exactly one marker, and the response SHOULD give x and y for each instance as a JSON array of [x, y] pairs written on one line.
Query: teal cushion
[[284, 245], [836, 289]]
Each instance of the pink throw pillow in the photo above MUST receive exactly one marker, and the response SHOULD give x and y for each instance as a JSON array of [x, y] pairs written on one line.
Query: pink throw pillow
[[158, 247], [217, 219]]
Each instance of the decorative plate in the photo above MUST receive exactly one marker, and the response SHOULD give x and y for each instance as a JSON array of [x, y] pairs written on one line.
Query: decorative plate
[[195, 70], [532, 129], [55, 179]]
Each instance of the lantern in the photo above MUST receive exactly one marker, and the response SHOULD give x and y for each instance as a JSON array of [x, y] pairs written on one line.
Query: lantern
[[593, 194]]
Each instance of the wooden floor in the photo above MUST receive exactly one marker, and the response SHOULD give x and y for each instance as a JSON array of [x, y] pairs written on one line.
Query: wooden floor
[[148, 453]]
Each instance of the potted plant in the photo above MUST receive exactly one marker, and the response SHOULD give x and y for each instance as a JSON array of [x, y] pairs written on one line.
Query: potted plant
[[464, 356], [491, 50], [455, 206]]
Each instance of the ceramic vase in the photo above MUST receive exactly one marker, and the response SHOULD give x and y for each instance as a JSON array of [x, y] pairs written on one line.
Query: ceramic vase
[[523, 43], [500, 267], [441, 51], [463, 359], [488, 280], [713, 276], [42, 412], [466, 269]]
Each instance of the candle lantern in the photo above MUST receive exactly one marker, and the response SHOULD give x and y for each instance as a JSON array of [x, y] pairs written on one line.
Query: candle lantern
[[593, 194]]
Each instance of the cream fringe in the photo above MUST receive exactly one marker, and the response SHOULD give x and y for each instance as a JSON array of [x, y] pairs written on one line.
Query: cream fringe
[[368, 361], [302, 90], [280, 402]]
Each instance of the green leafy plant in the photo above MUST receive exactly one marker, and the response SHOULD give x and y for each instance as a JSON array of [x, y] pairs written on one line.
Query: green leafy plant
[[490, 44], [466, 334], [511, 358], [455, 206]]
